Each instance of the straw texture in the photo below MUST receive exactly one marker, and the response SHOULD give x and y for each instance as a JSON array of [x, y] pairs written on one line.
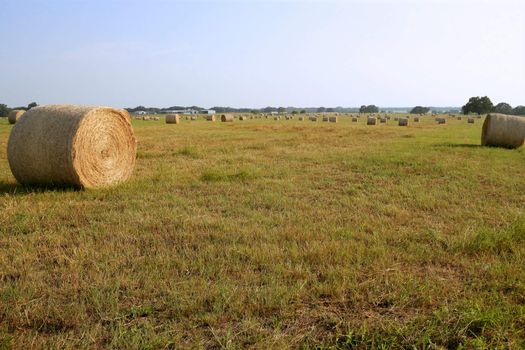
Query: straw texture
[[502, 130], [86, 147]]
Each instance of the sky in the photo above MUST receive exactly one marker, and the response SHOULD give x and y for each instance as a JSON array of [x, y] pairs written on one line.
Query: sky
[[261, 53]]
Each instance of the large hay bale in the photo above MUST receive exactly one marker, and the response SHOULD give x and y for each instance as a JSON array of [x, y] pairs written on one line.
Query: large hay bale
[[14, 115], [501, 130], [82, 146], [371, 121], [210, 118], [333, 119], [403, 122], [226, 118], [172, 119]]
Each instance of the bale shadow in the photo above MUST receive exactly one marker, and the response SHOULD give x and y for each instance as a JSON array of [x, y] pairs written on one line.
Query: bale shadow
[[459, 145], [16, 189]]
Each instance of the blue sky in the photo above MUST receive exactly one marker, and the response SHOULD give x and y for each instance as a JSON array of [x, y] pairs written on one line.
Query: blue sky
[[260, 53]]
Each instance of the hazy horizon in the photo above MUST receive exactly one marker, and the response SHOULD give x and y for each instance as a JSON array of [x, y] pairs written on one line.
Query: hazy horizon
[[255, 54]]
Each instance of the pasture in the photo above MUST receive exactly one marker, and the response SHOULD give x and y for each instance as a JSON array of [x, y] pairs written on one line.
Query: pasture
[[274, 234]]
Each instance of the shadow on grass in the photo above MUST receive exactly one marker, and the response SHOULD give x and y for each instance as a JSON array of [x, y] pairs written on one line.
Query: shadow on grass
[[459, 145], [15, 189]]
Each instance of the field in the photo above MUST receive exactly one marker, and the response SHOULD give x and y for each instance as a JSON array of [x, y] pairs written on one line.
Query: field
[[274, 234]]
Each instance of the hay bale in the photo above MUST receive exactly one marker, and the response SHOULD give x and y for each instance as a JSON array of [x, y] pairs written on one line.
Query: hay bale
[[382, 120], [226, 118], [82, 146], [172, 119], [501, 130], [210, 118], [403, 122], [396, 119], [300, 119], [470, 120], [371, 121], [14, 115], [313, 119], [156, 118], [242, 117], [193, 118], [332, 119], [416, 119], [459, 118], [325, 119], [441, 120], [354, 119]]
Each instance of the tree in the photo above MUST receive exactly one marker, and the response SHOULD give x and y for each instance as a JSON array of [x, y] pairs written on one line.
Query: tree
[[281, 109], [503, 107], [479, 105], [31, 105], [321, 110], [330, 110], [419, 110], [4, 110], [368, 109], [303, 111], [294, 112], [519, 110]]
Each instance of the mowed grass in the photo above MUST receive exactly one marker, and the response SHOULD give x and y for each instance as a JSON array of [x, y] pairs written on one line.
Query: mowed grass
[[274, 234]]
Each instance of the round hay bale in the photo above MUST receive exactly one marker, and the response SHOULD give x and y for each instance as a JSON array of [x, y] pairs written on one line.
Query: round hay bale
[[226, 118], [501, 130], [403, 122], [325, 119], [313, 119], [82, 146], [354, 119], [210, 118], [14, 115], [382, 120], [300, 119], [371, 121], [193, 118], [470, 120], [172, 119], [333, 119], [416, 119], [441, 120]]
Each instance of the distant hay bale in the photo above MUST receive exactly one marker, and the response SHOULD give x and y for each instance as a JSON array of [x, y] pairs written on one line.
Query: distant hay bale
[[441, 120], [242, 117], [354, 119], [172, 119], [325, 119], [371, 121], [416, 119], [333, 119], [300, 119], [501, 130], [14, 115], [382, 120], [193, 118], [287, 118], [226, 118], [470, 120], [396, 119], [403, 122], [155, 118], [86, 147], [312, 119], [459, 118], [210, 118]]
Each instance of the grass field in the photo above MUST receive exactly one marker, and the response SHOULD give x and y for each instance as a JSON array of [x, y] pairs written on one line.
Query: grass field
[[274, 234]]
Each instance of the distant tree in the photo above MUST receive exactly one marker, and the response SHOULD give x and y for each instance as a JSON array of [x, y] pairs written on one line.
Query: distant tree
[[31, 105], [281, 110], [479, 105], [303, 111], [330, 110], [294, 112], [4, 110], [519, 110], [503, 107], [321, 110], [419, 110], [368, 109]]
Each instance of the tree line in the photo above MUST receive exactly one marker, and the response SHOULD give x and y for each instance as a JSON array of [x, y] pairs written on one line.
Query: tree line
[[483, 105]]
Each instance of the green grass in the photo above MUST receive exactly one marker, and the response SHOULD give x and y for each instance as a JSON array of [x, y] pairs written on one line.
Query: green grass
[[274, 234]]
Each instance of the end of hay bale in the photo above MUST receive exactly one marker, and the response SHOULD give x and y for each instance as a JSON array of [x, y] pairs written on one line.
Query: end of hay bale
[[14, 115], [501, 130], [172, 119]]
